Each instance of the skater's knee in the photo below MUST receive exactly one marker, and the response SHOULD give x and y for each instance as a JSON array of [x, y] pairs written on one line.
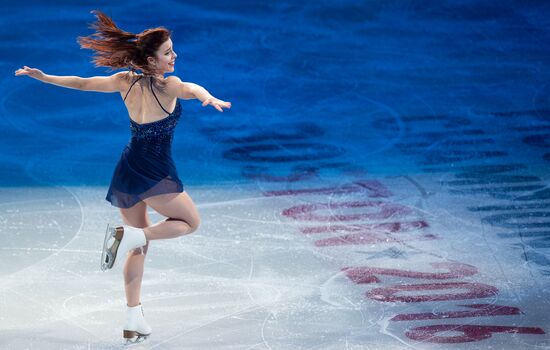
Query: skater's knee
[[191, 225], [194, 225]]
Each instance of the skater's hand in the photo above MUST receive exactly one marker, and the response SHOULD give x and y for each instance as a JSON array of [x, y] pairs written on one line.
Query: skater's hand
[[216, 103], [31, 72]]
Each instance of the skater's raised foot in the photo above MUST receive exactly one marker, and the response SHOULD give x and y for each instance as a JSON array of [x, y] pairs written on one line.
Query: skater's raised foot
[[125, 238]]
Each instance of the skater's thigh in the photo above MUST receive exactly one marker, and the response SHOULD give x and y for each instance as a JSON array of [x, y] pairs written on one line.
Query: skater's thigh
[[136, 215], [176, 206]]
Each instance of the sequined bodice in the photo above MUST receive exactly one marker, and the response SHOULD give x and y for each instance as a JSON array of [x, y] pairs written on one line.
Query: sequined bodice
[[155, 138], [164, 126]]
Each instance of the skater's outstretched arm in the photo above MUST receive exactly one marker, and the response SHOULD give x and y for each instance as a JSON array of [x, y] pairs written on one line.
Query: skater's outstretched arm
[[110, 83], [189, 91]]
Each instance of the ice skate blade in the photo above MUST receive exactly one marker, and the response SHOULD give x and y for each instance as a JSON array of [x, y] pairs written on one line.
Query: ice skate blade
[[133, 337], [137, 340], [108, 256]]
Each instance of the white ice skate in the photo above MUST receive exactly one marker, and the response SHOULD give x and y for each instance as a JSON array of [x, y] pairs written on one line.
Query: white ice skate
[[136, 329], [126, 238]]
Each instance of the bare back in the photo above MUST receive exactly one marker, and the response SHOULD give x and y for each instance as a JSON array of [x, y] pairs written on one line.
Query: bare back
[[144, 102]]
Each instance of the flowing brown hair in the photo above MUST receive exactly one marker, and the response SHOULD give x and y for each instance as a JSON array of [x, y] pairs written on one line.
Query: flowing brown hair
[[116, 48]]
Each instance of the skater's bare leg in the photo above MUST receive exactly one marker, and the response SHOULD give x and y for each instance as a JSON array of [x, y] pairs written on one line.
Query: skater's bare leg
[[182, 216], [133, 275], [133, 268]]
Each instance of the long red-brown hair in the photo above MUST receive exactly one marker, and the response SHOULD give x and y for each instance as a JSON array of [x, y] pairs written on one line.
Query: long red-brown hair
[[116, 48]]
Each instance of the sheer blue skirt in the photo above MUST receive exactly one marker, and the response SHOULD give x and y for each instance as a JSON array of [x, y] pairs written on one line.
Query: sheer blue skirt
[[143, 170]]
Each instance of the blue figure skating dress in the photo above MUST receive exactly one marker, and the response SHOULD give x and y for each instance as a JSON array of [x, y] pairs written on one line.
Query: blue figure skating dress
[[146, 167]]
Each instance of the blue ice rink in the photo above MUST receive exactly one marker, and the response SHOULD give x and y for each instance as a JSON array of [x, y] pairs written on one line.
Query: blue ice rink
[[380, 182]]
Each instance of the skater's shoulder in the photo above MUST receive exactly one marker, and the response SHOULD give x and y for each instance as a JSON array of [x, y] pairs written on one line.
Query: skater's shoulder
[[172, 81], [179, 88]]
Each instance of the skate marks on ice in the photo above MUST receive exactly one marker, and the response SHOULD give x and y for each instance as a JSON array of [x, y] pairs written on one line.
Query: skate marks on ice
[[314, 263], [492, 169], [38, 223], [433, 224]]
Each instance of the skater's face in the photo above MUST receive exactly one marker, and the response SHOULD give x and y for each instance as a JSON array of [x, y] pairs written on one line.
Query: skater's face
[[165, 58]]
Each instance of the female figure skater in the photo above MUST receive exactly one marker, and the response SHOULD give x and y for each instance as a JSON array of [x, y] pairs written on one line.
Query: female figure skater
[[145, 175]]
